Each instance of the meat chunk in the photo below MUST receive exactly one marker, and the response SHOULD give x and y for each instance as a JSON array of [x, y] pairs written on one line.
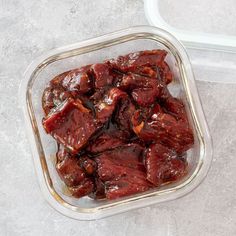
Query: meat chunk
[[133, 182], [163, 165], [84, 189], [57, 80], [122, 172], [175, 107], [53, 97], [71, 124], [144, 90], [78, 80], [70, 171], [123, 116], [105, 141], [98, 95], [135, 60], [165, 72], [106, 107], [149, 63], [103, 75], [164, 128], [66, 85], [147, 71], [142, 115], [144, 96], [131, 81], [128, 155], [54, 94]]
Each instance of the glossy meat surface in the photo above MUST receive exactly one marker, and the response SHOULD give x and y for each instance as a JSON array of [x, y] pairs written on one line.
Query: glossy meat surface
[[106, 107], [123, 116], [71, 124], [122, 172], [149, 63], [72, 173], [104, 142], [165, 128], [118, 128], [163, 164], [78, 80], [144, 90]]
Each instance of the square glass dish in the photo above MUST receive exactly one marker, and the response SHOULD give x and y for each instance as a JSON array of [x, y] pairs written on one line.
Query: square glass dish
[[43, 146]]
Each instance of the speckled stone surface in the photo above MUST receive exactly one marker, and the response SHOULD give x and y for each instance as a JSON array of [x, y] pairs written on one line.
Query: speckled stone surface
[[29, 28]]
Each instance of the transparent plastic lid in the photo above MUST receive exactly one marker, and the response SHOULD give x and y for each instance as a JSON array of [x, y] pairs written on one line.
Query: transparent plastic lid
[[201, 24], [207, 29]]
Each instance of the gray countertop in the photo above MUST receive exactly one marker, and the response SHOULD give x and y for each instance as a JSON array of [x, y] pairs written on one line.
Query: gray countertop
[[29, 28]]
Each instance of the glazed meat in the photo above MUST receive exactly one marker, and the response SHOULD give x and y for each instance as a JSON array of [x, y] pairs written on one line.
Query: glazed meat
[[103, 75], [163, 164], [69, 84], [105, 141], [79, 80], [122, 172], [106, 107], [144, 90], [71, 124], [73, 174], [118, 128], [123, 116], [148, 63], [165, 128]]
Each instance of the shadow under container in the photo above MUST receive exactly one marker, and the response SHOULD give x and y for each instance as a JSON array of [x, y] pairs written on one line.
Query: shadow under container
[[95, 50]]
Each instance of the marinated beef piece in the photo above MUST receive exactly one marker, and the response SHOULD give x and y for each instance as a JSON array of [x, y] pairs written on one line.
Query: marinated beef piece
[[128, 155], [57, 80], [142, 115], [132, 182], [175, 107], [71, 124], [84, 189], [135, 60], [163, 165], [122, 172], [144, 90], [54, 94], [164, 128], [144, 96], [87, 103], [132, 81], [123, 116], [143, 63], [70, 171], [148, 71], [108, 138], [104, 142], [103, 75], [165, 72], [53, 97], [66, 85], [78, 80], [106, 107]]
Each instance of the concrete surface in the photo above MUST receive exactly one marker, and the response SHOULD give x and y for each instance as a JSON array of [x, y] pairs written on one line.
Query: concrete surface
[[29, 28]]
